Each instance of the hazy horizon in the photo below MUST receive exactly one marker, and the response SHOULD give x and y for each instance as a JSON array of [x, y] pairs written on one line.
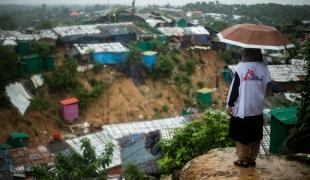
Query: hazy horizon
[[143, 3]]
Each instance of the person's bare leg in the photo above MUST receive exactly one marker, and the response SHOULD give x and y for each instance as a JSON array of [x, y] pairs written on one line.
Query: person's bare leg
[[242, 151], [253, 152]]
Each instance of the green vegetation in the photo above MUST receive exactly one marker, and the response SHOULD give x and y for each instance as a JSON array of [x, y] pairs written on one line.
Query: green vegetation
[[230, 56], [40, 103], [8, 69], [63, 78], [195, 139], [97, 68], [41, 48], [133, 55], [165, 108], [72, 165], [256, 13], [165, 65], [87, 97], [189, 67], [298, 139], [132, 172]]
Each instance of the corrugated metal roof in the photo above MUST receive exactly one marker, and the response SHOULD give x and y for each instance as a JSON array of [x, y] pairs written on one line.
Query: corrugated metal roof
[[283, 72], [102, 47], [198, 30], [171, 31], [18, 35], [179, 31], [99, 141], [112, 29], [120, 130], [111, 133], [154, 22]]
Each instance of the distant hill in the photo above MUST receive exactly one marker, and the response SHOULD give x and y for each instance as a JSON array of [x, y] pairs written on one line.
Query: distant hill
[[272, 14]]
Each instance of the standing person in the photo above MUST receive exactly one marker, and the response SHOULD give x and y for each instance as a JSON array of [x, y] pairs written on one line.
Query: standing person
[[246, 100]]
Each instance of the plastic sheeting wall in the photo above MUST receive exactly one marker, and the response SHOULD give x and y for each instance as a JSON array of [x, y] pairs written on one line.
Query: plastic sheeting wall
[[200, 39], [109, 58]]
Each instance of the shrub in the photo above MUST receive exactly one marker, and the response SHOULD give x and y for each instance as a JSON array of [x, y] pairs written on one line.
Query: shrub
[[63, 78], [40, 103], [87, 97], [165, 65], [75, 165], [183, 82], [97, 67], [201, 84], [133, 55], [189, 67], [165, 108], [132, 172], [195, 139]]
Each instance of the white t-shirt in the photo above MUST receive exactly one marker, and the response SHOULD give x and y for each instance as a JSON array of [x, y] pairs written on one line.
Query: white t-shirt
[[254, 77]]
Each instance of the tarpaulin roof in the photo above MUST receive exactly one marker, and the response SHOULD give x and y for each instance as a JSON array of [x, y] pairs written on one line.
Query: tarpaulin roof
[[198, 30], [18, 96], [171, 31], [111, 29], [102, 47], [19, 35], [9, 42], [111, 133], [179, 31]]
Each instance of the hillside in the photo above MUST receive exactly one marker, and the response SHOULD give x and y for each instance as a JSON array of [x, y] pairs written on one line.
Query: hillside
[[121, 101]]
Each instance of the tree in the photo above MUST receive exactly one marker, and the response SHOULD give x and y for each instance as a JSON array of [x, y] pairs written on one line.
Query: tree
[[63, 78], [298, 139], [8, 69], [7, 22], [42, 48], [73, 166]]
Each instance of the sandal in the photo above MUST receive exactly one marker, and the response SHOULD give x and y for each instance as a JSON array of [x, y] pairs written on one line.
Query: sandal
[[252, 163], [241, 163]]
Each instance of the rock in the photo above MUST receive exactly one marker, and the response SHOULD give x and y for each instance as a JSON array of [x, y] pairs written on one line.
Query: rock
[[218, 164]]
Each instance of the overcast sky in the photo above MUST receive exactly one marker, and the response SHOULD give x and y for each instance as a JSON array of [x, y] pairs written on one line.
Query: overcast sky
[[146, 2]]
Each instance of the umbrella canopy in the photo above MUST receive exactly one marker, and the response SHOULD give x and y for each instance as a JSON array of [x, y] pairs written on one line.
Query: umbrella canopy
[[254, 36]]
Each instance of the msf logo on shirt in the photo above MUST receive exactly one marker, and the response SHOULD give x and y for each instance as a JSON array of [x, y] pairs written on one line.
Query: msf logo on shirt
[[251, 76]]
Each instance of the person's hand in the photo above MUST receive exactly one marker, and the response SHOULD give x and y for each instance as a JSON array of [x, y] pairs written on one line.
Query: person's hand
[[229, 110]]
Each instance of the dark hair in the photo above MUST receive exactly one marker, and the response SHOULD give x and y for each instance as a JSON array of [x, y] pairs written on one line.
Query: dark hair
[[252, 55]]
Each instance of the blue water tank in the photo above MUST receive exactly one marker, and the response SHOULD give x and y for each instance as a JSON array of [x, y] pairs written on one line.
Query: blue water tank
[[149, 59]]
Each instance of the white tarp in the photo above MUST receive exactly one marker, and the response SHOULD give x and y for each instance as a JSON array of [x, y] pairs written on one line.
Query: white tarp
[[9, 42], [37, 80], [114, 47], [18, 96]]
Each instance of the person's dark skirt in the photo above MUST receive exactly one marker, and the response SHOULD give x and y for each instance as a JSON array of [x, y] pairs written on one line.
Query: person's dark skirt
[[246, 130]]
